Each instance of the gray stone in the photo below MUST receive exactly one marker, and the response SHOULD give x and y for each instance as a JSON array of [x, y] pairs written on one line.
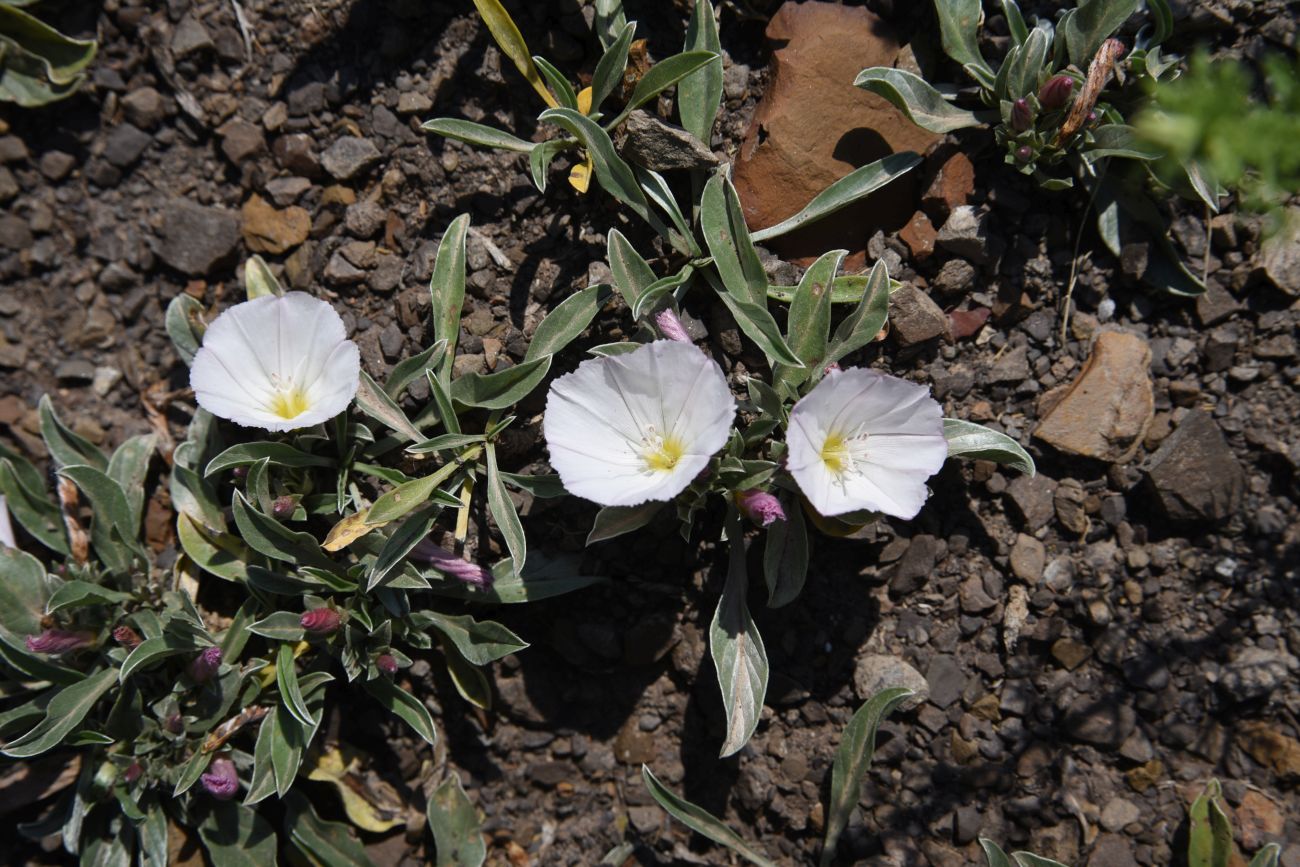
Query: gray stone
[[1011, 366], [874, 672], [1112, 850], [965, 234], [144, 107], [196, 240], [241, 140], [56, 165], [12, 149], [1028, 559], [340, 272], [956, 275], [915, 566], [946, 679], [391, 340], [191, 37], [1194, 475], [660, 146], [914, 318], [285, 191], [1118, 814], [9, 184], [14, 233], [125, 144], [75, 370], [349, 156], [413, 102], [1256, 673], [966, 824], [105, 379], [363, 219], [296, 152], [1033, 498], [1100, 720]]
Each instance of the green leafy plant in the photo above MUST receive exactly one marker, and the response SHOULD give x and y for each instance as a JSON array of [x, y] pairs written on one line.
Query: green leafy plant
[[1058, 119], [38, 64]]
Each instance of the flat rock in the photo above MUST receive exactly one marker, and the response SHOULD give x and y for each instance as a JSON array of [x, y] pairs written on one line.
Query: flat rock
[[966, 234], [1112, 850], [946, 679], [1255, 673], [661, 146], [125, 144], [349, 156], [241, 140], [1194, 476], [914, 318], [1279, 254], [1105, 412], [196, 240], [873, 672], [951, 182], [1028, 559], [271, 230], [1102, 721], [812, 127]]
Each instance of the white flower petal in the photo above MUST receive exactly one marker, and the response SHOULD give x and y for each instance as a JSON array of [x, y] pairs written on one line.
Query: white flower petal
[[278, 363], [6, 528], [861, 440], [626, 429]]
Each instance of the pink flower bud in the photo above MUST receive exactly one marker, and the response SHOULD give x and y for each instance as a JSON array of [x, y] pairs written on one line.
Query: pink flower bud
[[320, 621], [54, 641], [1022, 116], [671, 327], [174, 723], [283, 508], [449, 564], [205, 664], [221, 780], [127, 637], [760, 507], [239, 472], [1024, 153], [1055, 93], [132, 772], [386, 663]]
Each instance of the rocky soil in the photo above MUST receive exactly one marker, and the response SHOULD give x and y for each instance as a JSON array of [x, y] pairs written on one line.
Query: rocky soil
[[1092, 643]]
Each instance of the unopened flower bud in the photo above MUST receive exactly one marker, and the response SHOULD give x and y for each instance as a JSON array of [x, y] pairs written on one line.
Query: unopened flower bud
[[221, 780], [1055, 93], [671, 327], [1116, 47], [1092, 117], [127, 637], [132, 772], [283, 508], [1022, 116], [386, 663], [1024, 153], [174, 723], [320, 621], [205, 664], [240, 472], [760, 507], [449, 564], [54, 641]]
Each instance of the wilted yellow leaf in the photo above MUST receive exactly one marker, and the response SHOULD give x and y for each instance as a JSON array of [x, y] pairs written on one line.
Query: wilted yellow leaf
[[512, 44], [580, 175], [347, 531], [371, 804], [584, 100]]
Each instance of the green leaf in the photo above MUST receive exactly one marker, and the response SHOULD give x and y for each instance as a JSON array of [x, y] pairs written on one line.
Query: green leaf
[[29, 506], [479, 642], [993, 852], [785, 557], [851, 762], [446, 442], [662, 76], [235, 836], [476, 134], [63, 714], [409, 495], [913, 96], [610, 67], [457, 836], [700, 820], [862, 325], [976, 442], [847, 190], [468, 678], [1024, 64], [722, 222], [502, 509], [184, 325], [557, 82], [153, 836], [609, 21], [544, 487], [563, 324], [67, 448], [267, 536], [539, 161], [24, 592], [503, 388], [1209, 836], [1029, 859], [393, 554], [222, 554], [958, 27], [760, 327], [737, 648], [321, 843], [1267, 857], [375, 402], [545, 577], [403, 704], [632, 274], [1015, 21], [649, 300], [40, 64], [410, 369], [699, 94], [258, 279], [128, 467], [1093, 22], [286, 678], [447, 285], [277, 454], [614, 521], [74, 594], [291, 739], [279, 626], [808, 327], [1117, 140], [111, 531], [155, 649], [657, 190], [507, 36], [1164, 18]]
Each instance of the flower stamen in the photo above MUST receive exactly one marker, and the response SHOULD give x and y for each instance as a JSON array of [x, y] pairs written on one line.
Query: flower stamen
[[288, 403], [661, 454]]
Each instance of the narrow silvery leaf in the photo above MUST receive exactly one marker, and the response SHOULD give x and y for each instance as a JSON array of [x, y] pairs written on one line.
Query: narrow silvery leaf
[[958, 27], [403, 704], [412, 368], [1021, 76], [1015, 21], [24, 592], [614, 521], [1117, 140], [545, 577], [993, 852], [539, 161], [503, 511], [699, 95], [1267, 857], [181, 321], [761, 328], [410, 495], [375, 402], [558, 83], [393, 554], [29, 505], [286, 679], [258, 279], [480, 642], [737, 649], [661, 76], [976, 442], [559, 327], [862, 325], [128, 467], [269, 537], [447, 288], [1029, 859], [1093, 22], [610, 67], [111, 532], [785, 557], [235, 836], [851, 762], [808, 326], [277, 454], [63, 714], [632, 274], [700, 820], [457, 837], [609, 22], [649, 300], [329, 844], [511, 41], [912, 95], [722, 220], [501, 389], [847, 190], [67, 447], [657, 189]]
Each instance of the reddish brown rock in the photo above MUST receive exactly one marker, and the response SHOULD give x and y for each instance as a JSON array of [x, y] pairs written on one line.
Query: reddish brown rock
[[950, 182], [919, 235], [813, 127], [1259, 819], [1105, 412], [268, 230]]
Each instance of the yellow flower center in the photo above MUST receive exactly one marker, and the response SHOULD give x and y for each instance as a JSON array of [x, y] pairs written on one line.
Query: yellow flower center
[[661, 454], [835, 454], [289, 403]]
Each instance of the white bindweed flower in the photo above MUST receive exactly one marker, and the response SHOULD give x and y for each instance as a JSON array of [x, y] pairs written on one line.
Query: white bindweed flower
[[861, 440], [276, 362], [6, 528], [626, 429]]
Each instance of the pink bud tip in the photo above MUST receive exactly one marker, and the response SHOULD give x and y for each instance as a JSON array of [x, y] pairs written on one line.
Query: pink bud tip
[[320, 621], [283, 508], [1022, 116], [1056, 92], [54, 641], [451, 565], [126, 636], [671, 327], [760, 507], [132, 772], [221, 781], [1024, 153], [205, 664], [386, 663], [175, 723]]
